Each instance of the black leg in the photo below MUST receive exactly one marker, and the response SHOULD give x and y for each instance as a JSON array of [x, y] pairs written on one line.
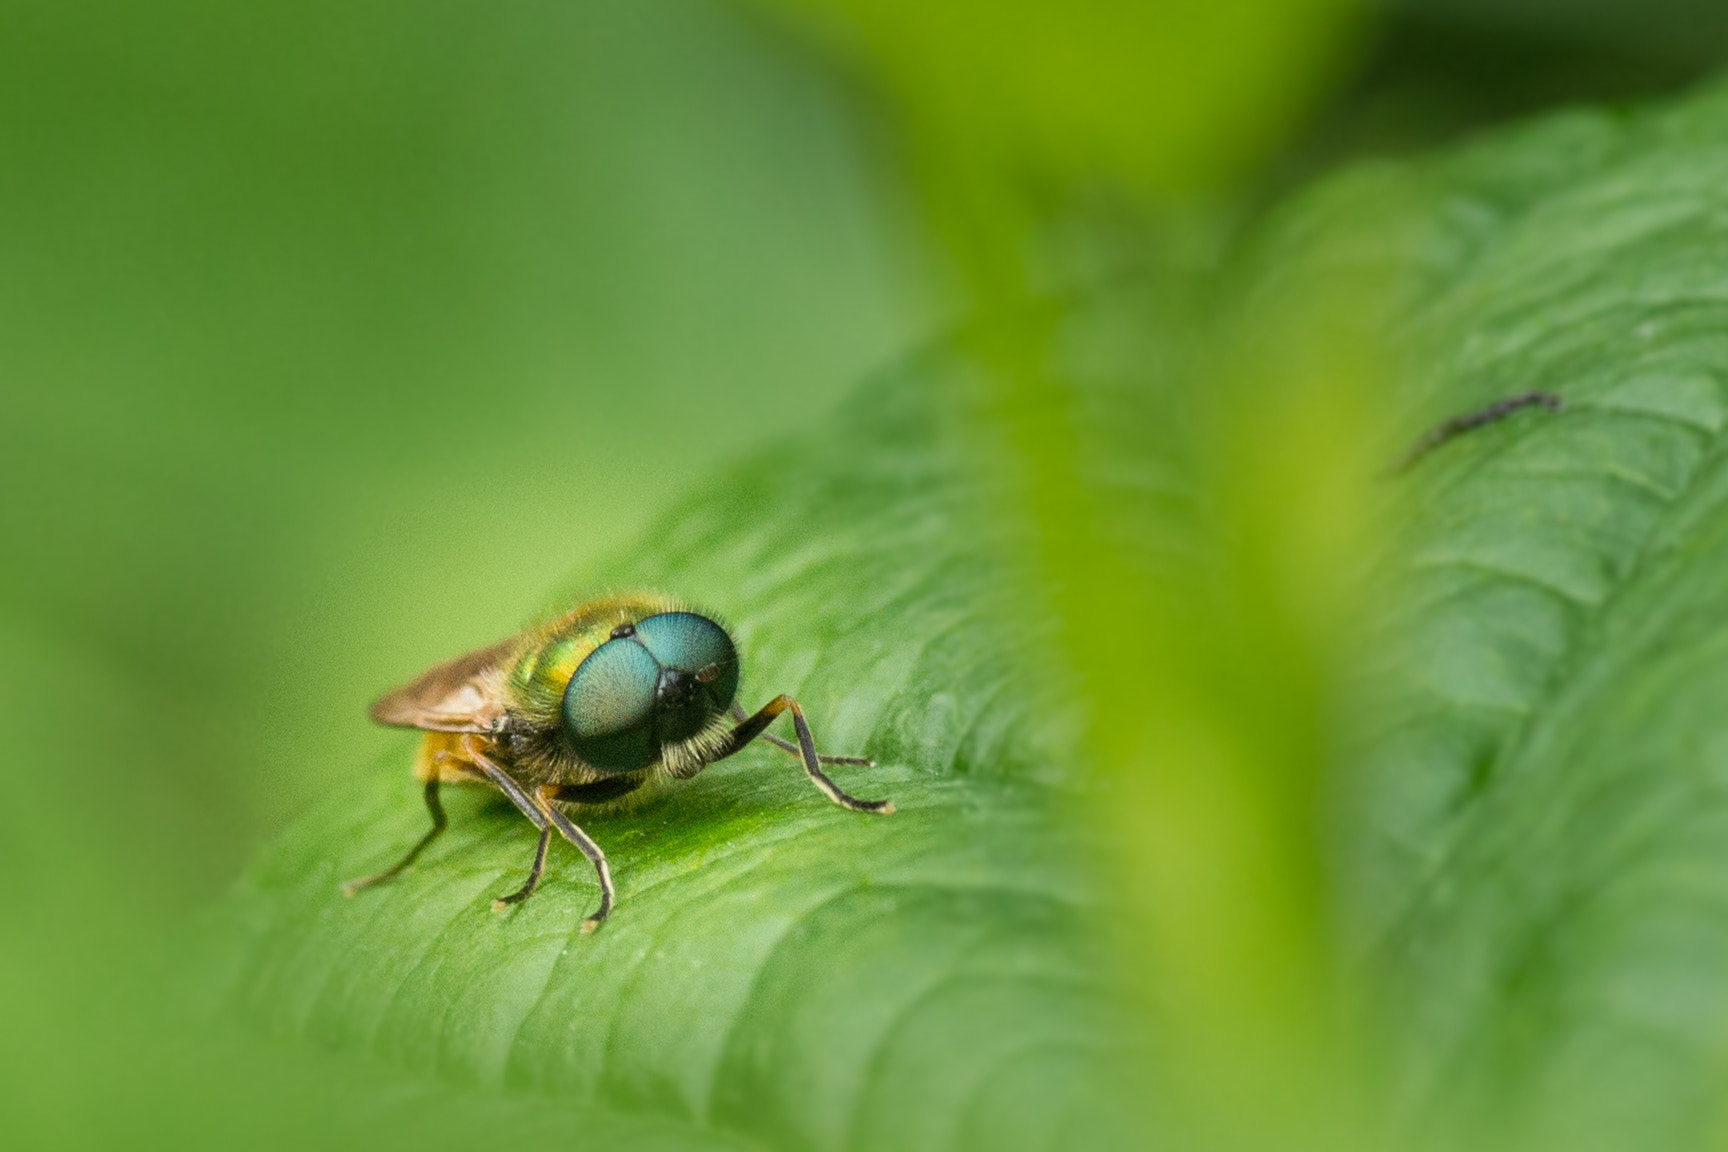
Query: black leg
[[585, 846], [543, 814], [1469, 421], [504, 782], [597, 792], [438, 822], [539, 813], [749, 729], [790, 748], [533, 880]]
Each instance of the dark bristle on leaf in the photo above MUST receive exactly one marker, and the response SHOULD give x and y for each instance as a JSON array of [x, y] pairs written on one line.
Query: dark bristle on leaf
[[1457, 426]]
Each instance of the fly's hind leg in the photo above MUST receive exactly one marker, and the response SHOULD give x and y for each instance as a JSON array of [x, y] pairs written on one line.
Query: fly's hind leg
[[757, 725], [438, 823]]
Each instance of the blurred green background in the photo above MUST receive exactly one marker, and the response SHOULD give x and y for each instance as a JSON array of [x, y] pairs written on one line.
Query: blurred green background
[[334, 335]]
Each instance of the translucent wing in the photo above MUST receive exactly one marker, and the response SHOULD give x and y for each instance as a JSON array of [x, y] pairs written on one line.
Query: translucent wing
[[462, 695]]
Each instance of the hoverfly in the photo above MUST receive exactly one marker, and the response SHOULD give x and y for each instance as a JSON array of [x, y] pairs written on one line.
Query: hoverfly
[[594, 710]]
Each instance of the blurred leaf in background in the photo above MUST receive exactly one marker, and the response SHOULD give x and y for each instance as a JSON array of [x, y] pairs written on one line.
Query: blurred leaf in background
[[1163, 97], [1203, 678], [1442, 68]]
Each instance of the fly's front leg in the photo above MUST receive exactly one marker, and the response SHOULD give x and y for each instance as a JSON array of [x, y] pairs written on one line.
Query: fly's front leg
[[757, 725], [791, 749], [438, 824], [504, 782]]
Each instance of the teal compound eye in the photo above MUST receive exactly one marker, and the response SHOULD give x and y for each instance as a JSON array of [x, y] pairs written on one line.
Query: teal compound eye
[[609, 706], [653, 683], [699, 677]]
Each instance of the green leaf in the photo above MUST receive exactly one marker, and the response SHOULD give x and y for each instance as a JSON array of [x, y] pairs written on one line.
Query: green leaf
[[1535, 820], [1544, 864], [778, 969]]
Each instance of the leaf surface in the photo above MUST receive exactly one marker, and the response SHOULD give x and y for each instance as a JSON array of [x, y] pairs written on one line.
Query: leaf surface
[[778, 969], [1546, 879]]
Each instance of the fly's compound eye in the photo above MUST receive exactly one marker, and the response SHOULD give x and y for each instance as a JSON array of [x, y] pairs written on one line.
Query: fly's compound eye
[[657, 684], [609, 706], [700, 670]]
